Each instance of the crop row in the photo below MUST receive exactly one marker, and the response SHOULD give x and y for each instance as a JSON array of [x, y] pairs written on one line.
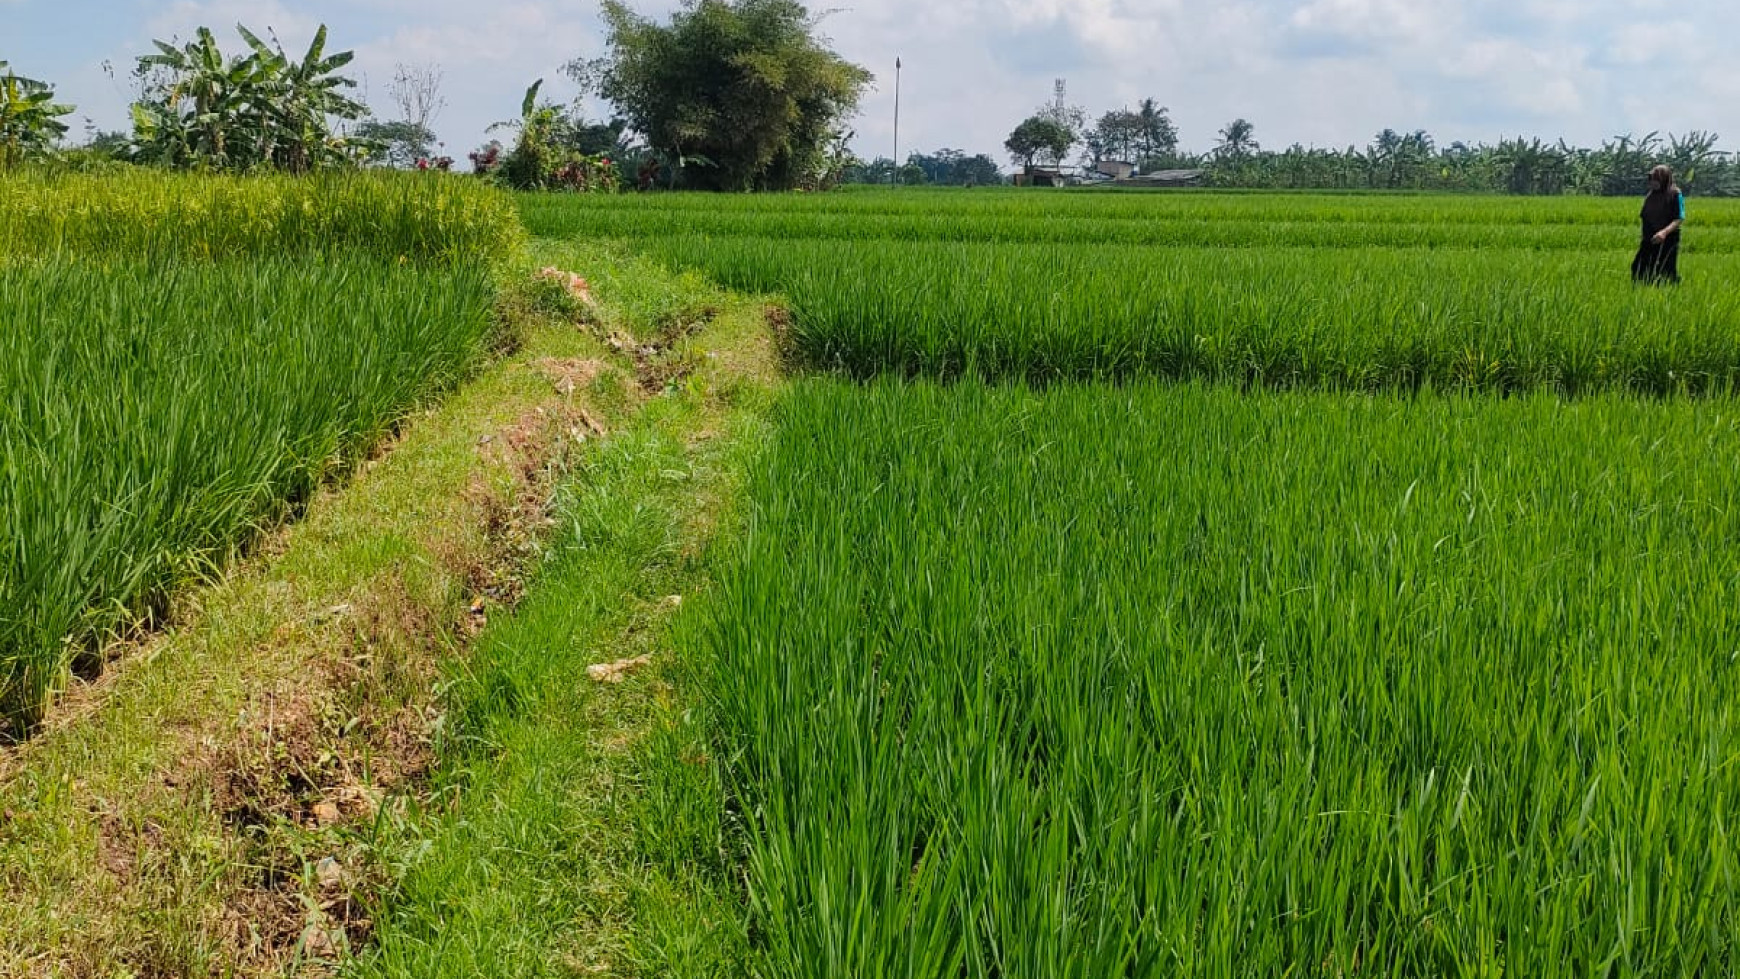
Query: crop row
[[1182, 681], [424, 219], [548, 214], [1340, 318], [152, 413], [1209, 232]]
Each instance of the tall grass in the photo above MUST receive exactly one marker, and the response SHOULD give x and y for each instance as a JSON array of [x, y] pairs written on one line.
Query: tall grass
[[550, 214], [152, 412], [1343, 318], [1338, 292], [1211, 226], [1184, 682], [422, 218]]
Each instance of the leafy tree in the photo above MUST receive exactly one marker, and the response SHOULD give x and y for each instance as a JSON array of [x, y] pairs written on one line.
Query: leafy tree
[[734, 94], [548, 151], [1072, 118], [878, 171], [1157, 143], [29, 117], [946, 166], [397, 144], [978, 170], [199, 108], [1038, 138], [1692, 153], [1117, 136]]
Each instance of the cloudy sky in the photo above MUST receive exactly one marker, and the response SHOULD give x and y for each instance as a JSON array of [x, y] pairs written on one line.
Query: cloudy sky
[[1323, 72]]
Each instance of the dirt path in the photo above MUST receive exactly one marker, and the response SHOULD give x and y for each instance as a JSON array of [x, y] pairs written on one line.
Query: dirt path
[[218, 802]]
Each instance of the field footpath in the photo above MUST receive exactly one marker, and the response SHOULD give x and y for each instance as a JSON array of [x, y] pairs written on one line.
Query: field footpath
[[585, 834], [233, 796]]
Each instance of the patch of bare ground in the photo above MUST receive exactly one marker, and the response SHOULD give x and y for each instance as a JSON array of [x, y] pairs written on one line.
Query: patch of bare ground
[[322, 753], [660, 358]]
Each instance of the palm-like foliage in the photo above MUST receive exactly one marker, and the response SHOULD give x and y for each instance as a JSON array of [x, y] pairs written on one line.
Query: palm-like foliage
[[1413, 161], [261, 110], [1237, 140], [29, 116]]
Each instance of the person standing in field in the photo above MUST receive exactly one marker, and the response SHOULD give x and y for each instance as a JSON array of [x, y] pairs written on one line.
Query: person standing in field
[[1664, 210]]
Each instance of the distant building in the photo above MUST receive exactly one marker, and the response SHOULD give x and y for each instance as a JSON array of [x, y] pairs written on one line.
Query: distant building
[[1037, 176], [1116, 169], [1167, 178]]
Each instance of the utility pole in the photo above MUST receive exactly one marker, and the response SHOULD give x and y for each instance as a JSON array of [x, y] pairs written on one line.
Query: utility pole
[[895, 177]]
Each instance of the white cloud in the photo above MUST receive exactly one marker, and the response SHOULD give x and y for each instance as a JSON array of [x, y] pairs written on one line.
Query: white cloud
[[183, 17]]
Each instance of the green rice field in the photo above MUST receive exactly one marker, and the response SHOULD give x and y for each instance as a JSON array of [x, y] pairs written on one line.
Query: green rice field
[[1227, 585], [1127, 584], [1182, 681], [1344, 292], [182, 359]]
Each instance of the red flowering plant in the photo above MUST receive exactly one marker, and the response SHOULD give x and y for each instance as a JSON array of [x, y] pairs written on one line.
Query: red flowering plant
[[587, 175], [485, 161]]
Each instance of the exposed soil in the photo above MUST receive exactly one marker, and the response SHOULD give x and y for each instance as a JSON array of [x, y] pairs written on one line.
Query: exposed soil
[[322, 754]]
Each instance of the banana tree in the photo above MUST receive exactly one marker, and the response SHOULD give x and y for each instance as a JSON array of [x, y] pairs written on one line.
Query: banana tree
[[304, 97], [209, 94], [261, 110], [29, 117]]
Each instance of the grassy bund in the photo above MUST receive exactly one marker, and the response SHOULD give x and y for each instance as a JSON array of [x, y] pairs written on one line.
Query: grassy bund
[[1409, 652], [183, 358]]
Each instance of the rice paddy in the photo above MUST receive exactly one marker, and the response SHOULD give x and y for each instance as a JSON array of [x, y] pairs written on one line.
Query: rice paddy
[[1187, 682], [1374, 293], [1131, 585], [181, 360], [1226, 585]]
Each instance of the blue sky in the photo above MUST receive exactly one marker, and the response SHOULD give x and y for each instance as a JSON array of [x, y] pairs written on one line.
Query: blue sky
[[1323, 72]]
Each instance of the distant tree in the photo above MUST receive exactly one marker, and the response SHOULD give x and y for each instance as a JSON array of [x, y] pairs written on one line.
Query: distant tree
[[553, 151], [735, 94], [199, 108], [1237, 140], [29, 117], [878, 171], [1071, 118], [1158, 142], [1692, 154], [938, 167], [105, 142], [1413, 160], [978, 171], [1038, 138], [1116, 136], [1394, 160], [416, 90], [405, 141], [396, 144]]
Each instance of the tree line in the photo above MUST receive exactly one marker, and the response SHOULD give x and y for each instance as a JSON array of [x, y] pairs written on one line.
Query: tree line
[[735, 95], [727, 95], [1393, 160]]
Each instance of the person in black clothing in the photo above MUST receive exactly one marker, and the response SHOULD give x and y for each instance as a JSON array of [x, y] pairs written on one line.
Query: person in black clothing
[[1664, 210]]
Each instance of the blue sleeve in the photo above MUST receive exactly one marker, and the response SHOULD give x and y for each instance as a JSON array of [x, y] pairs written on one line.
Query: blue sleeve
[[1682, 207]]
